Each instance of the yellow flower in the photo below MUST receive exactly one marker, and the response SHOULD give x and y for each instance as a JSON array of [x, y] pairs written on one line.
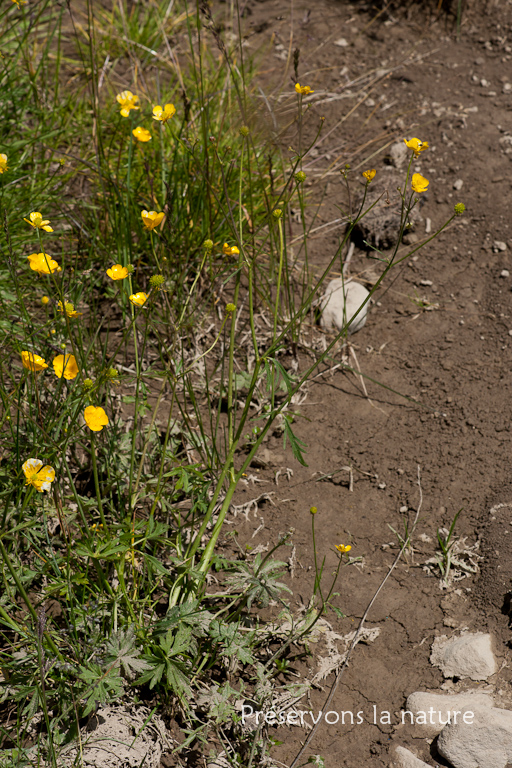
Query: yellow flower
[[419, 183], [36, 220], [37, 475], [369, 175], [95, 418], [128, 101], [230, 250], [3, 163], [117, 272], [304, 90], [416, 145], [33, 362], [343, 548], [141, 134], [138, 298], [43, 264], [165, 114], [45, 300], [151, 219], [68, 308], [65, 365]]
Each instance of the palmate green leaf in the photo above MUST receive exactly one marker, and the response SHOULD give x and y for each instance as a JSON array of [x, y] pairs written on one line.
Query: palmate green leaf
[[102, 686], [232, 641], [121, 651]]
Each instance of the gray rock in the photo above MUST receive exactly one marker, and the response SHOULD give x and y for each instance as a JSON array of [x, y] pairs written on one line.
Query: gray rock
[[469, 655], [406, 759], [340, 302], [485, 743], [432, 710], [398, 154]]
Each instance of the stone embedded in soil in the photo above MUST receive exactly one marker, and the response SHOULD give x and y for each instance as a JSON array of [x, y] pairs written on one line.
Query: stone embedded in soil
[[339, 304], [432, 710], [398, 154], [469, 655], [381, 225], [485, 743], [406, 759]]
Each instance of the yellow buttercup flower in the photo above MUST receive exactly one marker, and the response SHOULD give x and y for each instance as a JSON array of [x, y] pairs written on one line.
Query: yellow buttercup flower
[[68, 308], [45, 300], [138, 298], [36, 220], [304, 90], [3, 163], [65, 365], [95, 418], [117, 272], [369, 175], [151, 219], [141, 134], [230, 250], [343, 548], [416, 145], [128, 101], [419, 183], [43, 264], [33, 362], [37, 475], [164, 114]]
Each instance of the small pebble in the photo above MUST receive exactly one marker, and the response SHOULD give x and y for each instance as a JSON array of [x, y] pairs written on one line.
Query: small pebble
[[499, 245], [381, 486], [405, 508], [428, 226], [510, 332], [426, 282], [507, 87], [458, 184], [484, 83], [504, 273], [341, 43]]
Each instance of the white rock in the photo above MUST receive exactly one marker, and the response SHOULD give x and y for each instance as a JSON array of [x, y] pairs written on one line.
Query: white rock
[[499, 245], [406, 759], [469, 655], [434, 709], [504, 273], [341, 43], [399, 154], [485, 743], [340, 302], [507, 87], [458, 184]]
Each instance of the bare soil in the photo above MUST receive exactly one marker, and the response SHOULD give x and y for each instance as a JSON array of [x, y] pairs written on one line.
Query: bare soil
[[451, 352]]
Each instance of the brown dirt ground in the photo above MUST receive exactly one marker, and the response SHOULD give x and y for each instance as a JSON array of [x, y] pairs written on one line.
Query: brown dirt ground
[[454, 359]]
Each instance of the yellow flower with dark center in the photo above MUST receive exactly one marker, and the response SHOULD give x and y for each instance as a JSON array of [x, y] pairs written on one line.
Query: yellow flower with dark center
[[128, 101], [36, 220], [95, 418], [151, 219], [303, 90], [343, 548], [117, 272], [33, 362], [416, 145], [68, 308], [37, 475], [419, 183], [65, 365], [43, 264], [138, 298], [369, 175], [164, 114], [3, 163], [230, 250], [141, 134]]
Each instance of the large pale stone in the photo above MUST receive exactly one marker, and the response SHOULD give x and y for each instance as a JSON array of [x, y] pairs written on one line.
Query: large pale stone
[[340, 302], [469, 655], [432, 710], [406, 759], [486, 743]]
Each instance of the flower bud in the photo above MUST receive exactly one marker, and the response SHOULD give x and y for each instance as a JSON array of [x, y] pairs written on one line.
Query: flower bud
[[459, 209], [300, 177]]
